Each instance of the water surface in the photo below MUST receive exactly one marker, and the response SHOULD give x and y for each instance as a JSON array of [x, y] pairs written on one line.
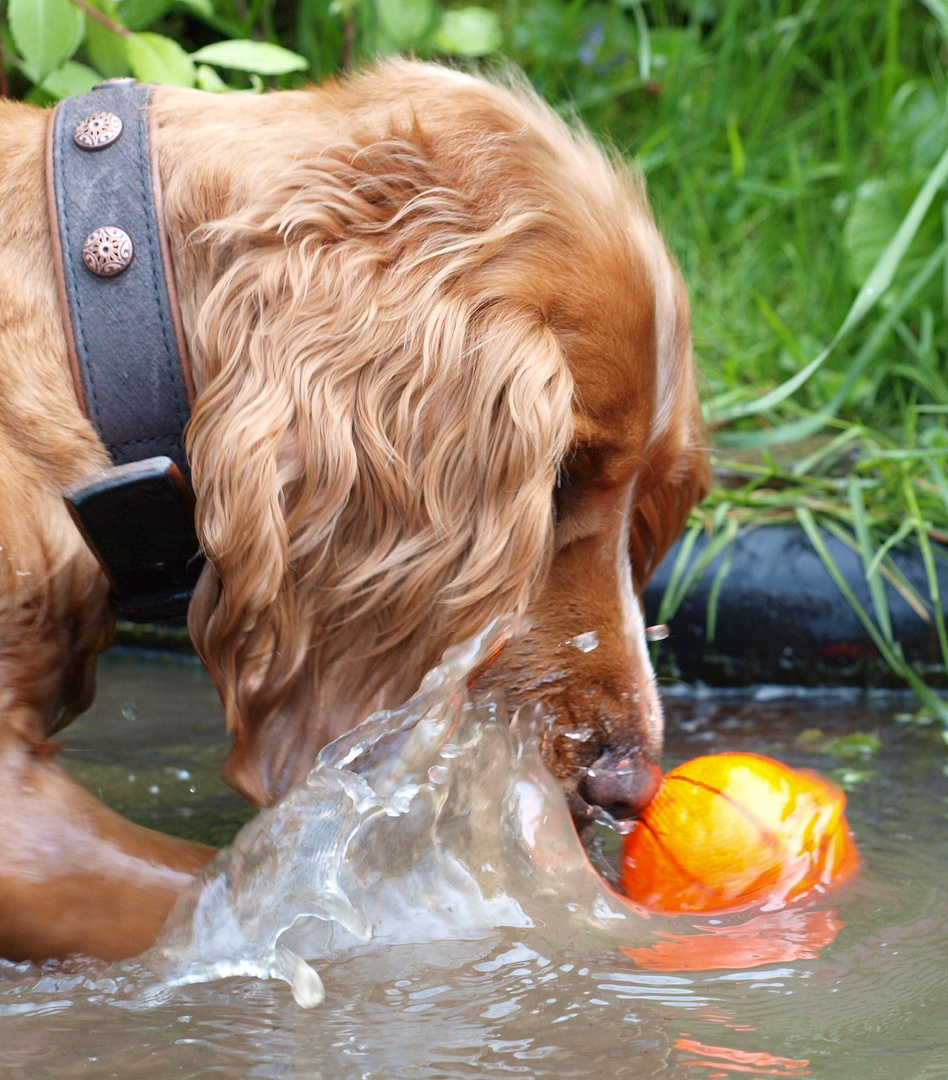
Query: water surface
[[552, 999]]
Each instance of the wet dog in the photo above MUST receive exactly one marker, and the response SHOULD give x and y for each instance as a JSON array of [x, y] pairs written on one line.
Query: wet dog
[[443, 370]]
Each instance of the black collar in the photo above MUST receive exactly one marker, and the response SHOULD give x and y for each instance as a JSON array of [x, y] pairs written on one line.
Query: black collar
[[126, 346]]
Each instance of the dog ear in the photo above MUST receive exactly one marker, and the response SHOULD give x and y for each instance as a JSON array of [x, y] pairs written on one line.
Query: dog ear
[[682, 479], [373, 455]]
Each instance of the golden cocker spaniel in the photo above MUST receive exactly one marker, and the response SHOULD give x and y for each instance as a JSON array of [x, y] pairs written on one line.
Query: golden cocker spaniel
[[443, 371]]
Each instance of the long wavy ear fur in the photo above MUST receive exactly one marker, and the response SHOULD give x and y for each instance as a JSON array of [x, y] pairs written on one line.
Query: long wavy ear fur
[[374, 449]]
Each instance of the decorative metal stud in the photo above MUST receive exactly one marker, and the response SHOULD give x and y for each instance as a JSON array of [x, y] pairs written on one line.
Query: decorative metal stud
[[97, 130], [107, 251]]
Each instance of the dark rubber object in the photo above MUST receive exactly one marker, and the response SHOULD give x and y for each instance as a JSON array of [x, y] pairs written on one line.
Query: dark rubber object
[[782, 619]]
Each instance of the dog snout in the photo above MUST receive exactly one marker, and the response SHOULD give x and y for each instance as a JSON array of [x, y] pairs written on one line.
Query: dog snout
[[621, 782]]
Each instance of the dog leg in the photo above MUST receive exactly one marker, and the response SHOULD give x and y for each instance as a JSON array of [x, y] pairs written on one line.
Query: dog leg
[[75, 877]]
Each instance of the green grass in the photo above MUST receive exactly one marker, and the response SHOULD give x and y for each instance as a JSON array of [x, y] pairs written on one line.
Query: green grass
[[780, 142], [796, 155]]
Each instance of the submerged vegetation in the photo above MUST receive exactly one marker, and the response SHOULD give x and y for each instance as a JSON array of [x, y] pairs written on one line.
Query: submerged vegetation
[[797, 155]]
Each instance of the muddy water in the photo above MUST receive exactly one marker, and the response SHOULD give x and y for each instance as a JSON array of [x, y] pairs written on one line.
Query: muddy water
[[854, 986]]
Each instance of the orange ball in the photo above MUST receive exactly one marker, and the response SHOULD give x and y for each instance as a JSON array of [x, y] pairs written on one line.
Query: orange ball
[[730, 830]]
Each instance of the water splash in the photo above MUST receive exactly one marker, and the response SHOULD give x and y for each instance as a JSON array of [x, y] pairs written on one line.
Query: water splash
[[585, 642], [436, 821]]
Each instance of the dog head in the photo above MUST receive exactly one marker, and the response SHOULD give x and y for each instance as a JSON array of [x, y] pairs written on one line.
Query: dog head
[[444, 369]]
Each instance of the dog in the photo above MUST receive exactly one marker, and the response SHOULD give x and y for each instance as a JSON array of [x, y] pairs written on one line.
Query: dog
[[443, 371]]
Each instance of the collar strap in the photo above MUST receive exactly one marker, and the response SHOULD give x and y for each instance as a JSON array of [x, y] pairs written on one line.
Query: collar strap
[[126, 347], [123, 326]]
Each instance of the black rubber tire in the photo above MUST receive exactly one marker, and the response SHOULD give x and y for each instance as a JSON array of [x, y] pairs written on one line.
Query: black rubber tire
[[782, 619]]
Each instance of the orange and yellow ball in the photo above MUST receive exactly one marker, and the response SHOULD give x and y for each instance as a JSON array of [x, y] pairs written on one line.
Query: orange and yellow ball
[[730, 830]]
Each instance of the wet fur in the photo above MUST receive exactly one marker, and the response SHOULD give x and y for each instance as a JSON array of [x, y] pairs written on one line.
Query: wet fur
[[444, 371]]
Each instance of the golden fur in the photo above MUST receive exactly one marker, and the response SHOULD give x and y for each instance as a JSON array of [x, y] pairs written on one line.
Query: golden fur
[[420, 308]]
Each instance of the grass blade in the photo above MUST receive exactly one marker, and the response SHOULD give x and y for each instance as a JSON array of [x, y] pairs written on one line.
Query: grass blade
[[880, 603], [892, 655], [879, 280]]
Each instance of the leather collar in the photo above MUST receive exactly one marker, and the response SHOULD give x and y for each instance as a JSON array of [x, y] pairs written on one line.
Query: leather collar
[[126, 345], [123, 328]]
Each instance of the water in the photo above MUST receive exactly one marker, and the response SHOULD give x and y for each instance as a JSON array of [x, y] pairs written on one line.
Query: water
[[519, 966]]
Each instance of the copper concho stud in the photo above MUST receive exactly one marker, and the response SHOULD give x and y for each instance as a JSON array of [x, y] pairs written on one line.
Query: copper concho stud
[[107, 251], [97, 130]]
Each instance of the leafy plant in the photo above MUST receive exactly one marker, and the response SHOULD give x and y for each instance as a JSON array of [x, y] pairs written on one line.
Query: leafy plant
[[63, 47]]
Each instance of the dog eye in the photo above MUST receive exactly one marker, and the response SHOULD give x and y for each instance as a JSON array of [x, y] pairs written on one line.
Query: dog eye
[[561, 493]]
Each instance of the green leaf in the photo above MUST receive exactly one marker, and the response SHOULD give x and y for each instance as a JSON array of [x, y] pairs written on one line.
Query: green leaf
[[140, 14], [939, 8], [154, 58], [72, 78], [208, 79], [204, 9], [405, 21], [46, 33], [260, 57], [878, 209], [811, 739], [916, 125], [105, 49], [469, 31], [858, 745]]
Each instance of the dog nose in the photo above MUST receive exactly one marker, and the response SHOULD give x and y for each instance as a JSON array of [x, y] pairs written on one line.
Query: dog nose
[[622, 783]]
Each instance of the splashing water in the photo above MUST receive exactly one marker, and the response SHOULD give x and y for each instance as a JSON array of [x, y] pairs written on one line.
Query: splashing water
[[436, 821], [585, 642]]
